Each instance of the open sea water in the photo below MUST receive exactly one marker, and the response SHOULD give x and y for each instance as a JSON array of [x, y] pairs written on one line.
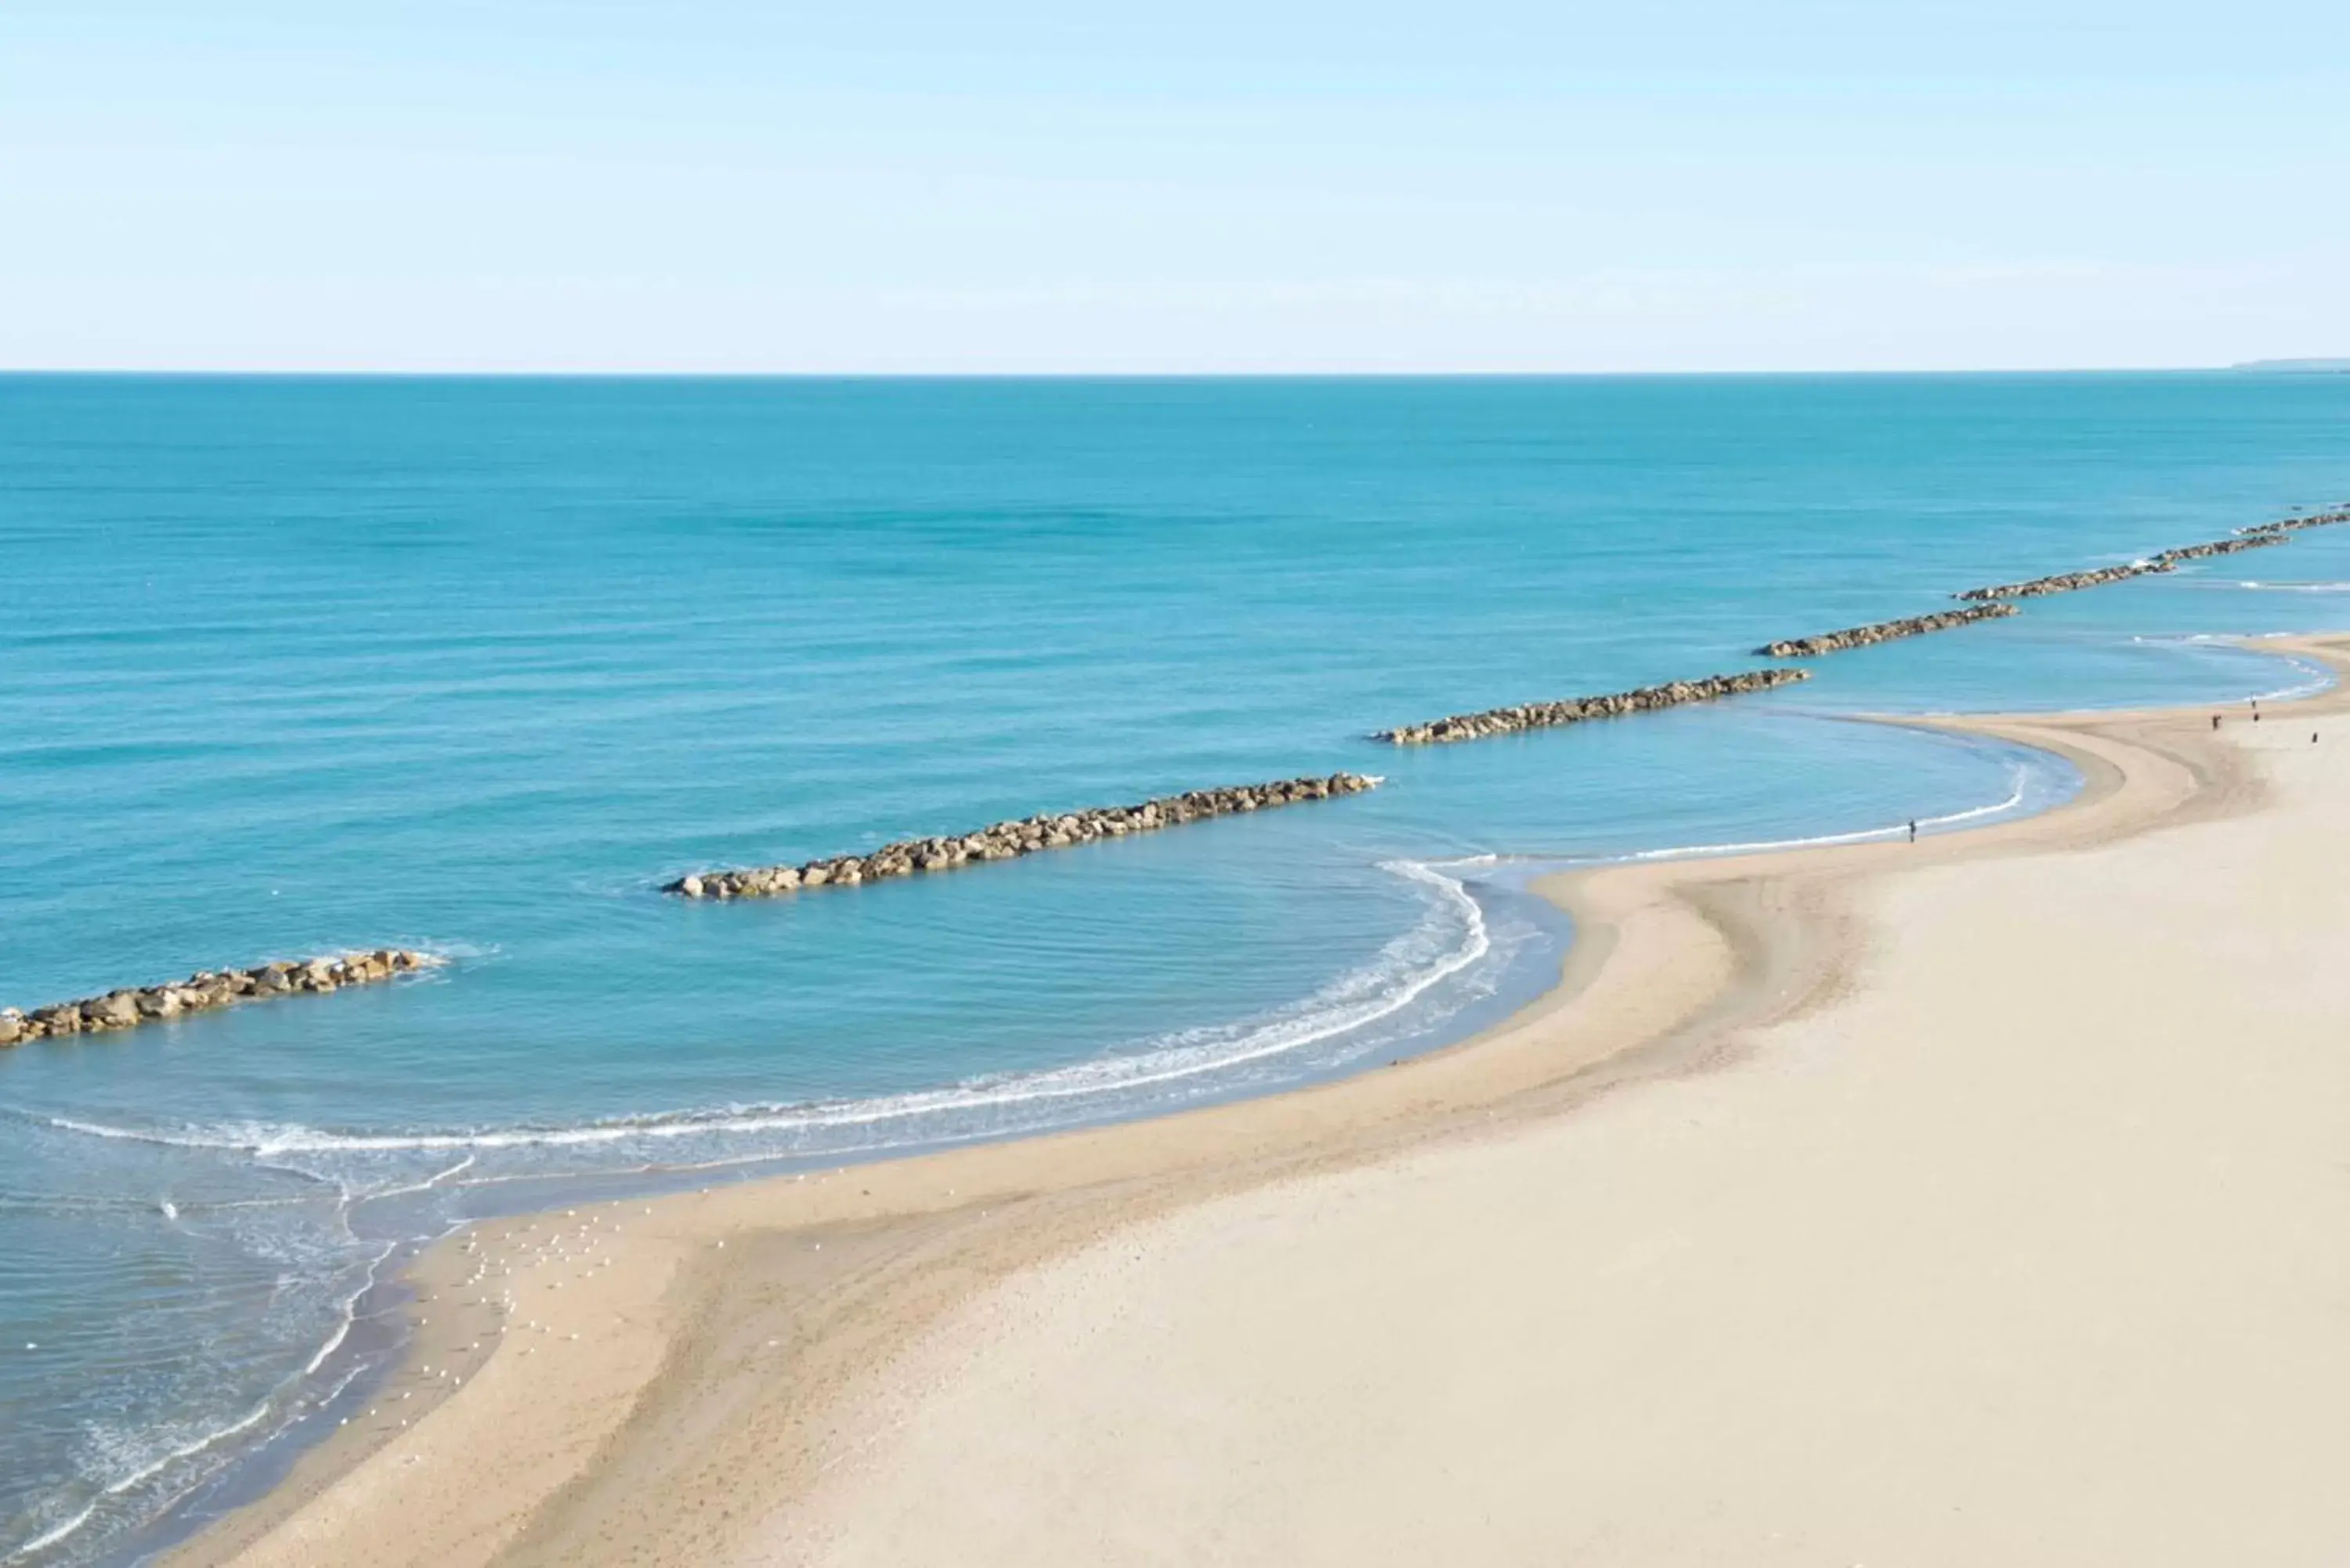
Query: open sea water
[[293, 665]]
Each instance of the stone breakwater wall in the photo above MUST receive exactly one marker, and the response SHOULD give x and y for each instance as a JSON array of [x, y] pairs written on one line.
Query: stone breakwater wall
[[2257, 536], [2295, 524], [1009, 840], [1578, 709], [2163, 561], [2062, 582], [1883, 631], [207, 990]]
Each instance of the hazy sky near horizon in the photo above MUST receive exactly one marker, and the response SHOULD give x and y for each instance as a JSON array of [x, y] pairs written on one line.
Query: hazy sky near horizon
[[913, 186]]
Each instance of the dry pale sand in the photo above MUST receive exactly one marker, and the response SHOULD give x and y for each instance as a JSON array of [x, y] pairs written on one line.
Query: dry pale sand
[[1979, 1201]]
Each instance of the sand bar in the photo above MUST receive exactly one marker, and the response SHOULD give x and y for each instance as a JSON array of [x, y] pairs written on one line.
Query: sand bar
[[1977, 1201]]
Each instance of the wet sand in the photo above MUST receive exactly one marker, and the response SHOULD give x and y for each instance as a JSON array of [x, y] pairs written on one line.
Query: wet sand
[[1964, 1201]]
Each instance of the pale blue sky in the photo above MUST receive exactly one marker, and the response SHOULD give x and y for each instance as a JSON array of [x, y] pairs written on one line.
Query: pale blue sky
[[720, 185]]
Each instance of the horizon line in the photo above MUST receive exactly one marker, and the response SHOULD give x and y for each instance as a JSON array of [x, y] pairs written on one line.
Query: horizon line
[[2297, 365]]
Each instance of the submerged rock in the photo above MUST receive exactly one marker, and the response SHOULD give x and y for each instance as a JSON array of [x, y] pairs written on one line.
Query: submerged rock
[[1581, 709], [1005, 840], [206, 989]]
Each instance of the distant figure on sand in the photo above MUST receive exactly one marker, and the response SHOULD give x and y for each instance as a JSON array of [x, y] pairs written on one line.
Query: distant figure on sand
[[1913, 833], [2215, 720]]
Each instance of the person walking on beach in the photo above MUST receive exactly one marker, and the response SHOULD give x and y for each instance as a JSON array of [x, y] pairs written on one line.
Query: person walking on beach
[[2215, 720], [1913, 833]]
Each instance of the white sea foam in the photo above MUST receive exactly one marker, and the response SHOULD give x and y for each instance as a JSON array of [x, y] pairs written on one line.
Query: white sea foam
[[1453, 938], [430, 1182], [2319, 681], [51, 1536], [2315, 678], [123, 1462], [348, 1314], [189, 1449], [2020, 779], [141, 1473]]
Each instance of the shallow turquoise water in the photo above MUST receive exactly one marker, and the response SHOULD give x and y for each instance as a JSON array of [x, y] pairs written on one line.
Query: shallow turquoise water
[[472, 665]]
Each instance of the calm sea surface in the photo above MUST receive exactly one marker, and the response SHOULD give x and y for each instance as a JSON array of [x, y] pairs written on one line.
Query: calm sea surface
[[292, 665]]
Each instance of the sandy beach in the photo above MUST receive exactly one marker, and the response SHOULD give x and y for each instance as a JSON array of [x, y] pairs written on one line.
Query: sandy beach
[[1976, 1200]]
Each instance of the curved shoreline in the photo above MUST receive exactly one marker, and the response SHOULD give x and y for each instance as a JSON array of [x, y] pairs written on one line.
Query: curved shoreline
[[695, 1339]]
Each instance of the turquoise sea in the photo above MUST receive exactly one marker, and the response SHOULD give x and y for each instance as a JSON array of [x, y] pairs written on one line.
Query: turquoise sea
[[291, 665]]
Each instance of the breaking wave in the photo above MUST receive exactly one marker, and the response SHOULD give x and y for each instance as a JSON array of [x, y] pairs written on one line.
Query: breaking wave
[[1452, 935]]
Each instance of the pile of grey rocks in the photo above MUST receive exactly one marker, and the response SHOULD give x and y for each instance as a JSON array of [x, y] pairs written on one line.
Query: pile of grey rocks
[[2063, 581], [1009, 840], [1578, 709], [2165, 560], [2295, 524], [206, 989], [2252, 538], [1883, 631]]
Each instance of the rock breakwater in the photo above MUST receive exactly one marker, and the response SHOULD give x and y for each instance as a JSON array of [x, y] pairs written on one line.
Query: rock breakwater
[[2166, 560], [1883, 631], [1580, 710], [2296, 524], [1009, 840], [2252, 538], [2061, 583], [207, 990]]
